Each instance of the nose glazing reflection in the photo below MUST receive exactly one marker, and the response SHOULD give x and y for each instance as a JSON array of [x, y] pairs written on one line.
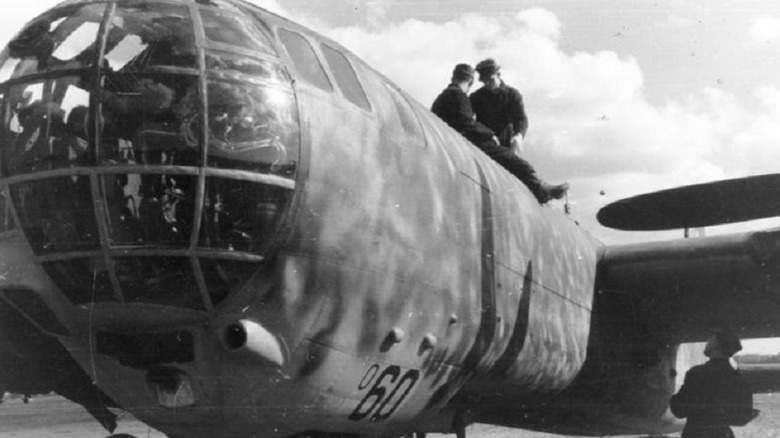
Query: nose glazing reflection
[[160, 173]]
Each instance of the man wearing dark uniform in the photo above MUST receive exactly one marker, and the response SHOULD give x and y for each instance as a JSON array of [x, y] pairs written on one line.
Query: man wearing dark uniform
[[714, 395], [454, 107], [499, 106]]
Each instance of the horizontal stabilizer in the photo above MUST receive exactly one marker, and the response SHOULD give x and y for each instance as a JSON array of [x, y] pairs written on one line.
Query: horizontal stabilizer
[[700, 205]]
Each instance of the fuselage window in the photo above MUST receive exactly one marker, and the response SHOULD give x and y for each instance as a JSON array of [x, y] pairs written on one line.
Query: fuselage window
[[304, 59], [405, 112], [345, 77]]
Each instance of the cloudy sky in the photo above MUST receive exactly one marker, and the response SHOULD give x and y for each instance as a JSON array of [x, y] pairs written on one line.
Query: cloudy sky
[[624, 96]]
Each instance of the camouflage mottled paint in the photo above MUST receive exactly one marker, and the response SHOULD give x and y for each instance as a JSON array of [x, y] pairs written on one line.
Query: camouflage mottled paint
[[410, 265], [409, 227]]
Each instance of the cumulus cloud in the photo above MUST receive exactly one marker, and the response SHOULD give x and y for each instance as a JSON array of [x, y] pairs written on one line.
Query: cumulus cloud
[[765, 30], [541, 22]]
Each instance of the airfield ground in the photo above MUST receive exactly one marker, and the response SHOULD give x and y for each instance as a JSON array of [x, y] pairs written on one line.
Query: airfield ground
[[54, 417]]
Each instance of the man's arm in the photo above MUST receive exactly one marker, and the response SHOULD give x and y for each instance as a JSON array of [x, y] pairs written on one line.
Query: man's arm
[[740, 410], [470, 127], [688, 400], [518, 117]]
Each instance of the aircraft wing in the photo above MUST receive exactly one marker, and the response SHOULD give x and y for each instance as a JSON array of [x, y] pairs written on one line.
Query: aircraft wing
[[684, 287]]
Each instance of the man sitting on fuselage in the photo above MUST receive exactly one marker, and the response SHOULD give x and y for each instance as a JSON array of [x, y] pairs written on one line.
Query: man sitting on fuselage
[[454, 107]]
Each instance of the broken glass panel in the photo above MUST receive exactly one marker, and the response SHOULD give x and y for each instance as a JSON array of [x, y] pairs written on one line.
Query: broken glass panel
[[148, 35], [62, 39], [252, 127]]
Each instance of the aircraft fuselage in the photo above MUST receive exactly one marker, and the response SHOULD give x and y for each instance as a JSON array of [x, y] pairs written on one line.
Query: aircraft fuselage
[[377, 264]]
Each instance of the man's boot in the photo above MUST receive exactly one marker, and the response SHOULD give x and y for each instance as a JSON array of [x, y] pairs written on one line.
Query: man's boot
[[549, 192]]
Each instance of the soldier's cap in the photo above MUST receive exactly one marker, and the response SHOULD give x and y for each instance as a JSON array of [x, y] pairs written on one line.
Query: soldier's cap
[[727, 341], [487, 67], [463, 71]]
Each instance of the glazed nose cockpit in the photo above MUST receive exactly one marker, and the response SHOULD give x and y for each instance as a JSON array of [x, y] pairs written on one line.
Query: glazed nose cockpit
[[149, 149]]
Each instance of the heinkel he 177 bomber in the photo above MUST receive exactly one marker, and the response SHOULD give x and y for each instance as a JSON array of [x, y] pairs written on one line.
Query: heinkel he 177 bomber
[[230, 226]]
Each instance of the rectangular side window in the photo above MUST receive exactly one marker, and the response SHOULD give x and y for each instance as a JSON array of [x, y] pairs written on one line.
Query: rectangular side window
[[345, 77], [305, 60], [408, 118]]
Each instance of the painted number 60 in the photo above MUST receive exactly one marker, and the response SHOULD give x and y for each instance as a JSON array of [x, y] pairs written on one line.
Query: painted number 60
[[388, 390]]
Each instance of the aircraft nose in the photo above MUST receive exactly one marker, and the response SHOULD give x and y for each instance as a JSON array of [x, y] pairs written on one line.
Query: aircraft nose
[[251, 339], [155, 173]]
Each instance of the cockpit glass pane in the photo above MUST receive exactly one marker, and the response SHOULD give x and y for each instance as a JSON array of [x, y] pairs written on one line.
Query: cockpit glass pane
[[233, 31], [150, 35], [224, 277], [225, 65], [150, 119], [166, 281], [240, 215], [82, 280], [63, 39], [57, 214], [149, 209], [6, 218], [252, 127], [47, 125]]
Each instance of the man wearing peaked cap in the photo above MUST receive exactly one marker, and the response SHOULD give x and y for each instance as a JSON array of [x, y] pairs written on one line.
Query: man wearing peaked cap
[[487, 66], [499, 108], [453, 106]]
